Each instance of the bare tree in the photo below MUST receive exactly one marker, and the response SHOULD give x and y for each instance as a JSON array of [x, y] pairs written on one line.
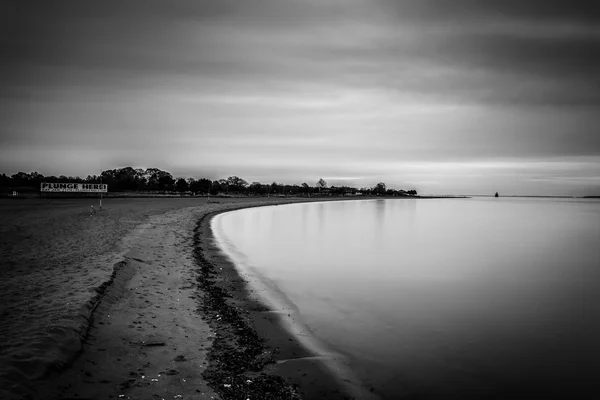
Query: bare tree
[[321, 184]]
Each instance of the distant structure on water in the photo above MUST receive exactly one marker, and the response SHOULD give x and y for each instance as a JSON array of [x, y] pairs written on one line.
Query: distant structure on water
[[496, 195]]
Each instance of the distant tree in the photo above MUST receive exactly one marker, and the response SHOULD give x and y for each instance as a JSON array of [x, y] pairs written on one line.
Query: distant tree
[[166, 181], [192, 184], [215, 187], [257, 188], [321, 184], [158, 179], [126, 179], [20, 179], [35, 179], [379, 188], [236, 184], [305, 188], [5, 180], [274, 188], [293, 189], [32, 179], [181, 185], [224, 185], [341, 190], [204, 185]]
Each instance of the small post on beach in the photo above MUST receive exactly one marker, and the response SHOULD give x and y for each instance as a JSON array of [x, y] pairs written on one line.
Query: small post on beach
[[101, 193]]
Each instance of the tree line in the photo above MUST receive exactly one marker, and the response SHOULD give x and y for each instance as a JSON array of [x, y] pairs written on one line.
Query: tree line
[[157, 180]]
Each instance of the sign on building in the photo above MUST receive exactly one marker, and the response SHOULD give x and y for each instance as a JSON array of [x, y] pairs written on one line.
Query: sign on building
[[75, 187]]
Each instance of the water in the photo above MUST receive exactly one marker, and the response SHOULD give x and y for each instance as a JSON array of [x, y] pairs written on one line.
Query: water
[[436, 298]]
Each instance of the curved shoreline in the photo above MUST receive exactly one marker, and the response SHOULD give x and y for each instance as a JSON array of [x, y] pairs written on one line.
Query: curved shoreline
[[289, 319], [253, 342], [59, 263], [74, 265]]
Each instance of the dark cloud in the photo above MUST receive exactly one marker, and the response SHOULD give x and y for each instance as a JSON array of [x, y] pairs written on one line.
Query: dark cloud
[[581, 11], [465, 51], [557, 58]]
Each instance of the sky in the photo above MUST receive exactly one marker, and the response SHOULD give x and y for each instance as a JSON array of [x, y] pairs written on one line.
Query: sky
[[445, 97]]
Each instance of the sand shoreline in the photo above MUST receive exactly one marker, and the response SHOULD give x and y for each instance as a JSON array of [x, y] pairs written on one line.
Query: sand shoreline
[[236, 316], [137, 248], [78, 277]]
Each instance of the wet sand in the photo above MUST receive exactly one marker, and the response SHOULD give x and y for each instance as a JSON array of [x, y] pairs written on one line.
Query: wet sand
[[137, 302], [253, 343]]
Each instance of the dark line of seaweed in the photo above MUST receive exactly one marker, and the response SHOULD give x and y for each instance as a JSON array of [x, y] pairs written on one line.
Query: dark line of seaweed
[[238, 357]]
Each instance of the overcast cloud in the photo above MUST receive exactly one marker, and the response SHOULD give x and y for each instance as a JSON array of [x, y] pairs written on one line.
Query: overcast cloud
[[441, 96]]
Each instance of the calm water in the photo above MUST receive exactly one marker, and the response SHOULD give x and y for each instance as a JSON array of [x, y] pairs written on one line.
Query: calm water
[[448, 298]]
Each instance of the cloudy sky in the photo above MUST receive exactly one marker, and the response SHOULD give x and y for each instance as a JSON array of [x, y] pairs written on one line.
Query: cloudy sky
[[464, 96]]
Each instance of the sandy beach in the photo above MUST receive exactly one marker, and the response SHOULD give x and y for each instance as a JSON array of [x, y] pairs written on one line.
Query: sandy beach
[[137, 302]]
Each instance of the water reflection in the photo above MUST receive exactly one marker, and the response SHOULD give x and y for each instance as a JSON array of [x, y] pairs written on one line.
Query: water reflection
[[434, 297]]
